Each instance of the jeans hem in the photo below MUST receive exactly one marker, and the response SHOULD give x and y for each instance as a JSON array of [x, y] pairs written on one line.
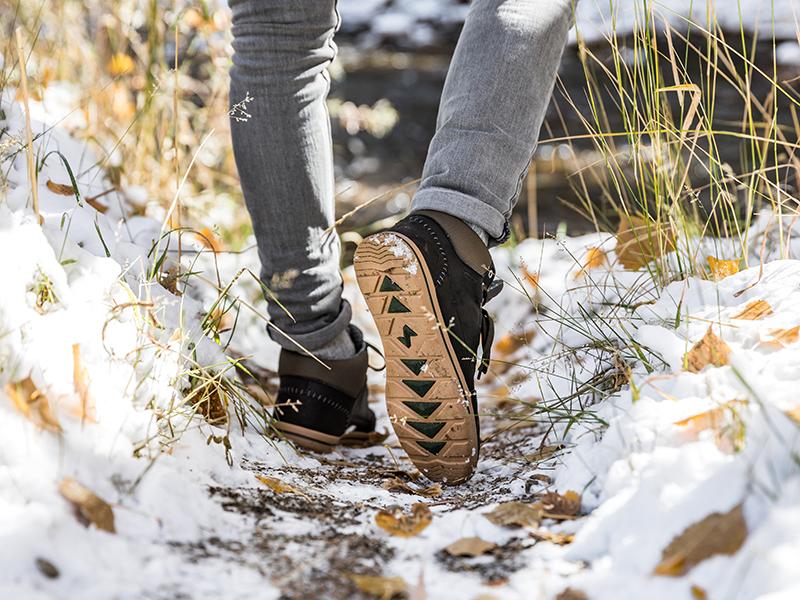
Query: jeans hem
[[312, 340], [467, 208]]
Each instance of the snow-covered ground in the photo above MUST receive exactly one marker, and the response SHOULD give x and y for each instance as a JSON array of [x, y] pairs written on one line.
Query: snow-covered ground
[[97, 359]]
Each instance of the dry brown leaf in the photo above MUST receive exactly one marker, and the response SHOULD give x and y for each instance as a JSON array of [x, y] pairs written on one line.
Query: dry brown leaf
[[544, 453], [471, 546], [754, 311], [396, 522], [559, 539], [279, 487], [33, 404], [595, 258], [698, 593], [89, 508], [211, 402], [572, 594], [718, 533], [398, 485], [794, 414], [557, 506], [209, 240], [780, 338], [61, 189], [723, 420], [720, 269], [515, 514], [381, 587], [639, 242], [513, 341], [711, 350]]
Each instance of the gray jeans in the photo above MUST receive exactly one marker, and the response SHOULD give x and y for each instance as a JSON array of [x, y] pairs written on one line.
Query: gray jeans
[[494, 100]]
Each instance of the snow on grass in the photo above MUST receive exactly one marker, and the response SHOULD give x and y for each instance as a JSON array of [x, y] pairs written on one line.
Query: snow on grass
[[645, 469]]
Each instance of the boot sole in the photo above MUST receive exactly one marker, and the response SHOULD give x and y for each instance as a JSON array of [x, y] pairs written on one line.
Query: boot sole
[[307, 438], [425, 389]]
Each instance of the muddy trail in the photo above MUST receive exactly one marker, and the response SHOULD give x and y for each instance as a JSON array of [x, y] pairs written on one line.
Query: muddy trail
[[312, 528]]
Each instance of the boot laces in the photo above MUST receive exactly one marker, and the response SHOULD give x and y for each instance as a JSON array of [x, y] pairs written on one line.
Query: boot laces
[[491, 288]]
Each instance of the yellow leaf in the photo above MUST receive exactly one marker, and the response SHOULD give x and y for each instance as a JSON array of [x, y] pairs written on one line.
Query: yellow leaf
[[710, 350], [33, 404], [723, 420], [559, 539], [384, 588], [89, 508], [557, 506], [782, 337], [471, 546], [718, 533], [794, 414], [515, 514], [698, 593], [595, 258], [209, 240], [754, 311], [398, 485], [62, 189], [120, 64], [531, 278], [639, 242], [720, 269], [279, 487], [511, 342], [398, 523]]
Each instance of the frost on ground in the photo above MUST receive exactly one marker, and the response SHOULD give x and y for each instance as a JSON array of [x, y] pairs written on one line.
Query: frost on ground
[[661, 460]]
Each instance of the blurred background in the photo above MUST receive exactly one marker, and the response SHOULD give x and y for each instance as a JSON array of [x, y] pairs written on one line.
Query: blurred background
[[109, 69]]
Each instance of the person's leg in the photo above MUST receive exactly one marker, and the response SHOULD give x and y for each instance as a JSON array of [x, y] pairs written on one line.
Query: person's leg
[[282, 145], [493, 104]]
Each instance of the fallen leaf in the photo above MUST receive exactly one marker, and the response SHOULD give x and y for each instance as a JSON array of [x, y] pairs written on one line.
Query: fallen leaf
[[398, 485], [718, 533], [572, 594], [544, 453], [381, 587], [210, 401], [595, 258], [754, 311], [559, 539], [33, 404], [794, 415], [711, 350], [208, 239], [639, 242], [90, 508], [557, 506], [46, 568], [471, 546], [513, 341], [698, 593], [61, 189], [515, 514], [720, 269], [398, 523], [279, 487], [779, 338], [724, 420]]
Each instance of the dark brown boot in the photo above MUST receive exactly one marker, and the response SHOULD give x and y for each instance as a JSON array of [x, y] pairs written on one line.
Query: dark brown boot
[[320, 406], [426, 281]]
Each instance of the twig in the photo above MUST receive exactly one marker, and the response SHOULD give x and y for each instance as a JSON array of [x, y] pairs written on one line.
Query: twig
[[23, 79]]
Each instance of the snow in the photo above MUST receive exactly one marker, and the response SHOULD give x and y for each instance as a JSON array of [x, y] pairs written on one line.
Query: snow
[[80, 280]]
